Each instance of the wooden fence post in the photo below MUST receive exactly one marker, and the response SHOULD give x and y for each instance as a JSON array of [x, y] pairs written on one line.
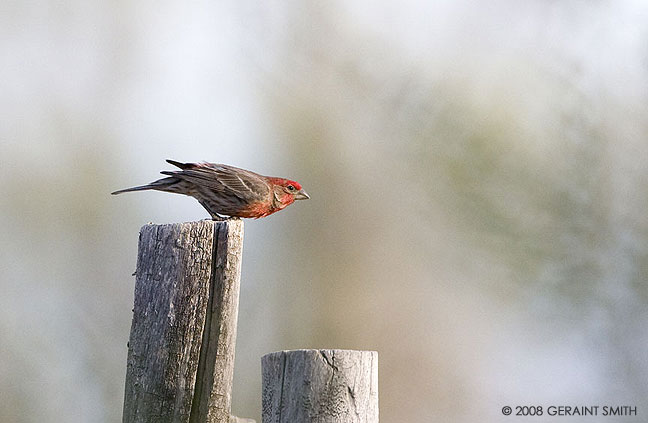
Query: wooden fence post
[[320, 386], [181, 348]]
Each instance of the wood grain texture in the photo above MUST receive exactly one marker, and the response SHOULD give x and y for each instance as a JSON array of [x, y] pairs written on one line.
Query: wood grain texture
[[322, 386], [181, 346]]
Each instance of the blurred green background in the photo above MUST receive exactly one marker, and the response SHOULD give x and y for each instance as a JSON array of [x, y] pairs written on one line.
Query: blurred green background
[[477, 172]]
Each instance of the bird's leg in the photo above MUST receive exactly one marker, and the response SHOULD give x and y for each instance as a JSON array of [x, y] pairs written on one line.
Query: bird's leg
[[214, 216]]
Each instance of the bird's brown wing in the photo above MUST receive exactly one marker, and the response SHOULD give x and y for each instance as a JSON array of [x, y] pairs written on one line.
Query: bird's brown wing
[[226, 181]]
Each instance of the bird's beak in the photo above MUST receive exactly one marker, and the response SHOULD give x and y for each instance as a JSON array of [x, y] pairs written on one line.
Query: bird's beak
[[301, 195]]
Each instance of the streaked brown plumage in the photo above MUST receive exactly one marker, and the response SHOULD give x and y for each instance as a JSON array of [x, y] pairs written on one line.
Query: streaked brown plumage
[[227, 190]]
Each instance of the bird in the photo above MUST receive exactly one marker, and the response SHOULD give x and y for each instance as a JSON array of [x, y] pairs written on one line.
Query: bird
[[227, 191]]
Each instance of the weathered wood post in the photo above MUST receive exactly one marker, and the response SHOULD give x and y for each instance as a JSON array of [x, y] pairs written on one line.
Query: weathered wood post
[[320, 386], [181, 348]]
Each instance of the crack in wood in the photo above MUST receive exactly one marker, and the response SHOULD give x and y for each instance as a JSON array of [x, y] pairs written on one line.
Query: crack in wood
[[205, 372]]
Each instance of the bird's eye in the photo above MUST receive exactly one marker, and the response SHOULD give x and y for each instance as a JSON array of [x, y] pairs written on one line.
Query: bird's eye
[[291, 188]]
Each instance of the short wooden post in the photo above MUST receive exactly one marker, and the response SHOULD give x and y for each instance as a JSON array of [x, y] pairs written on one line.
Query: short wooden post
[[181, 348], [320, 386]]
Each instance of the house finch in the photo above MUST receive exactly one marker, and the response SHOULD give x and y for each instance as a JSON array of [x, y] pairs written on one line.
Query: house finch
[[227, 190]]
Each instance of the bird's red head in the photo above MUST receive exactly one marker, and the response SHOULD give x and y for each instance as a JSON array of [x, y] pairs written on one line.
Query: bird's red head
[[288, 191]]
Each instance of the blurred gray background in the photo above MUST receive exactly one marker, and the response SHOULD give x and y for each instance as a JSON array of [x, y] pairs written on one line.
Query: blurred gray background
[[478, 179]]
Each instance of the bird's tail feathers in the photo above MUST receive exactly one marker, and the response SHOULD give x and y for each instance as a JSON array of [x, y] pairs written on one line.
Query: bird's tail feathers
[[160, 184]]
